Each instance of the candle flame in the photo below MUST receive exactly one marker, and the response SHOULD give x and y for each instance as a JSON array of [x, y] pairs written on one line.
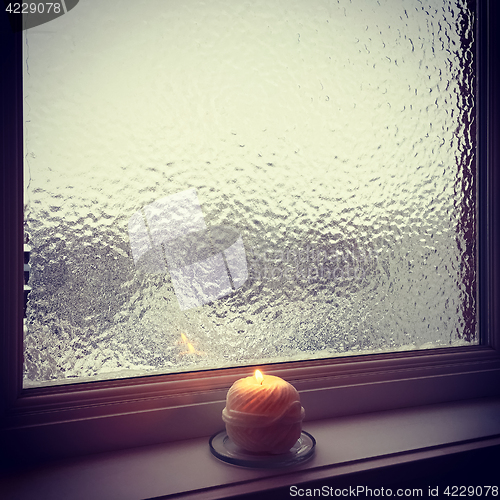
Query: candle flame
[[259, 376], [191, 349]]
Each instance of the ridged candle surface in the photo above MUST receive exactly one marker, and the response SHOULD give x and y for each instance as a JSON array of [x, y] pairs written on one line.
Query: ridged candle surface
[[263, 416]]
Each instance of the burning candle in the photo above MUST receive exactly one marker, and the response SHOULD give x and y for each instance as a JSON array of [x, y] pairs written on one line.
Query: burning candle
[[263, 414]]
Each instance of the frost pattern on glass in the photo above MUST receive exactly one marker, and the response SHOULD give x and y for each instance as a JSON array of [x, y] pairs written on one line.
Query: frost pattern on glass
[[335, 139]]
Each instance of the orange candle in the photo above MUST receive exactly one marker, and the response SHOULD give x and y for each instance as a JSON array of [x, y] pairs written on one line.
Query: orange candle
[[263, 414]]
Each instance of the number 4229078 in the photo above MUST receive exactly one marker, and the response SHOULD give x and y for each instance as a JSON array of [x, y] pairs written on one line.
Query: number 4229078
[[34, 8]]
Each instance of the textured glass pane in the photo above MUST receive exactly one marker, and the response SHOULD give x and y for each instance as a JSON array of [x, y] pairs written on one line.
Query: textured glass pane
[[221, 183]]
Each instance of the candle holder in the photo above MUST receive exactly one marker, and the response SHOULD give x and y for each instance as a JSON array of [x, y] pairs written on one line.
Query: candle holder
[[224, 449]]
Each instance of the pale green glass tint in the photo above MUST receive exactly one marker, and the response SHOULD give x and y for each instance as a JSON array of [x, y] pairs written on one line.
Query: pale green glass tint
[[336, 139]]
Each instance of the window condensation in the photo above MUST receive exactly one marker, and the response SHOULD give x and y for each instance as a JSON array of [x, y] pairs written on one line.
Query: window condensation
[[221, 183]]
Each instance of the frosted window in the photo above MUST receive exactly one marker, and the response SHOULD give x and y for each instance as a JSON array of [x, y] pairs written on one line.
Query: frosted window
[[224, 183]]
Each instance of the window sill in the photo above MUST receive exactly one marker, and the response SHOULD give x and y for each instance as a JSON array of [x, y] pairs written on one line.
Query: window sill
[[345, 445]]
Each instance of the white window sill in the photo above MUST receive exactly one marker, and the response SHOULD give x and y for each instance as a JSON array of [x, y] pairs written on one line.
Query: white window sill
[[344, 445]]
